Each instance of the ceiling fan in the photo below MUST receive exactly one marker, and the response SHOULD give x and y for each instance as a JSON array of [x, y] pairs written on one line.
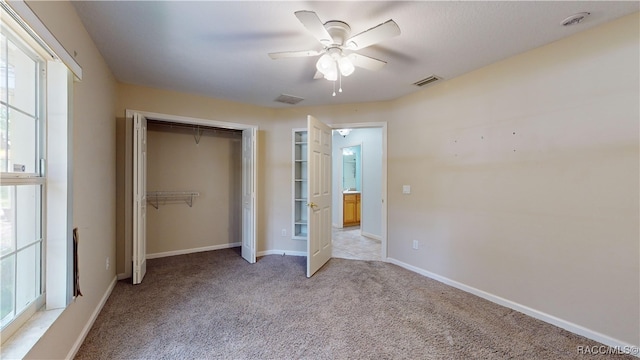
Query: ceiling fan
[[338, 54]]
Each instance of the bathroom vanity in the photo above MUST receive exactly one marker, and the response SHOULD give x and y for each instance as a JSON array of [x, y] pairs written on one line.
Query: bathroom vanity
[[351, 208]]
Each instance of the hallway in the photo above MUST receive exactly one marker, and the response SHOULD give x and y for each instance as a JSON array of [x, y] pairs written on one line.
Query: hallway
[[349, 244]]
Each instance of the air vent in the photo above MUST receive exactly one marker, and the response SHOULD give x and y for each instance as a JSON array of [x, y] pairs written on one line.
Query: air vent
[[426, 81], [575, 19], [289, 99]]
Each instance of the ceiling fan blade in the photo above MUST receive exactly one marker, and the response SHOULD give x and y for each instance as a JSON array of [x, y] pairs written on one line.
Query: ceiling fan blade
[[374, 35], [291, 54], [366, 62], [312, 22]]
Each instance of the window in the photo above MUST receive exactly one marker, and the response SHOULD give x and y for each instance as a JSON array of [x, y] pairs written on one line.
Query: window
[[36, 248], [23, 187]]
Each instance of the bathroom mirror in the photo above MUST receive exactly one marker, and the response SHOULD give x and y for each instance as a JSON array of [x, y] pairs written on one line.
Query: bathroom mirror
[[351, 168]]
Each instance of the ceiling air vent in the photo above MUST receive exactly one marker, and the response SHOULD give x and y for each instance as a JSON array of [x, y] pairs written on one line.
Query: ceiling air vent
[[426, 81], [289, 99]]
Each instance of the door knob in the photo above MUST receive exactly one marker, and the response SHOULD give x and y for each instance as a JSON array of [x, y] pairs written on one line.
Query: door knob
[[311, 205]]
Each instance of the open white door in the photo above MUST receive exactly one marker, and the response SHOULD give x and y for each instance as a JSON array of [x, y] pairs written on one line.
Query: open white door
[[249, 195], [319, 194], [139, 197]]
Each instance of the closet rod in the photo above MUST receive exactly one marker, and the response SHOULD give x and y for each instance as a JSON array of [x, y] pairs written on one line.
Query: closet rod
[[198, 130], [195, 127]]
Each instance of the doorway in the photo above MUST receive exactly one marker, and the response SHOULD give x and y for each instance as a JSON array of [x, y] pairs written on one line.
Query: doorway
[[359, 183], [135, 248]]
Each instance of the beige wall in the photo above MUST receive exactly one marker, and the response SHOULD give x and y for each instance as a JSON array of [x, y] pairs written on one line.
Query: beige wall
[[94, 156], [124, 193], [552, 225], [212, 167], [546, 217]]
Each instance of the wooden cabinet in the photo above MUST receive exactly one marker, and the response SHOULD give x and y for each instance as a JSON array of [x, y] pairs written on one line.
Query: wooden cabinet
[[358, 208], [351, 209]]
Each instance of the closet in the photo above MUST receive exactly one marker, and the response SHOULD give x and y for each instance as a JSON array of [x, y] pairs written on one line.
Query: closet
[[194, 188]]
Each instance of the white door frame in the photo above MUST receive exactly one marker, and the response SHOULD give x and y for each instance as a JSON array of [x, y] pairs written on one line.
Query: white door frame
[[383, 175], [196, 121]]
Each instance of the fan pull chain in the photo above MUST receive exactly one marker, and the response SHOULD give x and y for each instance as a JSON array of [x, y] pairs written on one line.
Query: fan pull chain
[[340, 90], [334, 89]]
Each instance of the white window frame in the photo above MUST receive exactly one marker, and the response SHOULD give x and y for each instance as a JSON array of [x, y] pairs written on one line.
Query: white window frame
[[35, 178], [57, 281]]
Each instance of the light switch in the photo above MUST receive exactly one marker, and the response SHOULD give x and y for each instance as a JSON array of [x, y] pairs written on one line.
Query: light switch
[[406, 189]]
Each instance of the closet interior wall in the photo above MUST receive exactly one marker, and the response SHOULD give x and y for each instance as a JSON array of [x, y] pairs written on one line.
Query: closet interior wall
[[204, 160]]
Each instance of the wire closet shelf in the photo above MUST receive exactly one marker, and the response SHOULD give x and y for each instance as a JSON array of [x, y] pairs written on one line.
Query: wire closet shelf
[[157, 198]]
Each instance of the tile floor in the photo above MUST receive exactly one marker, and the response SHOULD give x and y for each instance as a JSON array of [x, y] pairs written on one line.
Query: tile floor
[[349, 244]]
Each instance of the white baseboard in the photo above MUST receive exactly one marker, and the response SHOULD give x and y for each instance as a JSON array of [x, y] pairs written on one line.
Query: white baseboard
[[337, 226], [190, 251], [569, 326], [282, 252], [122, 276], [83, 334], [371, 236]]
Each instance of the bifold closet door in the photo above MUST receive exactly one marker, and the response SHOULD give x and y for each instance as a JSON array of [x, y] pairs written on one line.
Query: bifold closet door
[[139, 197], [249, 142]]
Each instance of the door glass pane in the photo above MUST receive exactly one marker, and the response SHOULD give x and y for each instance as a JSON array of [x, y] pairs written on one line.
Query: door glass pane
[[22, 143], [7, 220], [26, 278], [7, 288], [27, 214], [22, 80]]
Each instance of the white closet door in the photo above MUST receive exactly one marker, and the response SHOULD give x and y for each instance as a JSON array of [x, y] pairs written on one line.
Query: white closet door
[[249, 142], [139, 198], [319, 194]]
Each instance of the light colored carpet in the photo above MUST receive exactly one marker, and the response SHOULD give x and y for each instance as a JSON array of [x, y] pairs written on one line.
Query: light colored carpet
[[214, 305]]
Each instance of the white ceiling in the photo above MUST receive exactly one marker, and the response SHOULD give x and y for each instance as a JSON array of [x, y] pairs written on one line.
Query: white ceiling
[[219, 48]]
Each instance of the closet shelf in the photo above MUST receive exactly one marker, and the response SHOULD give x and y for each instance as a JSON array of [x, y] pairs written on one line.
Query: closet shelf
[[156, 197]]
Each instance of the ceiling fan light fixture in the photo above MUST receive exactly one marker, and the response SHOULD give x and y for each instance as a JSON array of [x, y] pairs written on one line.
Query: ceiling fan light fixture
[[324, 63], [328, 66], [335, 37], [346, 66], [332, 75]]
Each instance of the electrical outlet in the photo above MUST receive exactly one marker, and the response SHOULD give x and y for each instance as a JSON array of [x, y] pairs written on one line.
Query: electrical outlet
[[415, 244], [284, 232], [108, 265]]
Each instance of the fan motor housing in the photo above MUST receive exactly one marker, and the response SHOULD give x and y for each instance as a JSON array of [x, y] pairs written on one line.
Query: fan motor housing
[[339, 31]]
